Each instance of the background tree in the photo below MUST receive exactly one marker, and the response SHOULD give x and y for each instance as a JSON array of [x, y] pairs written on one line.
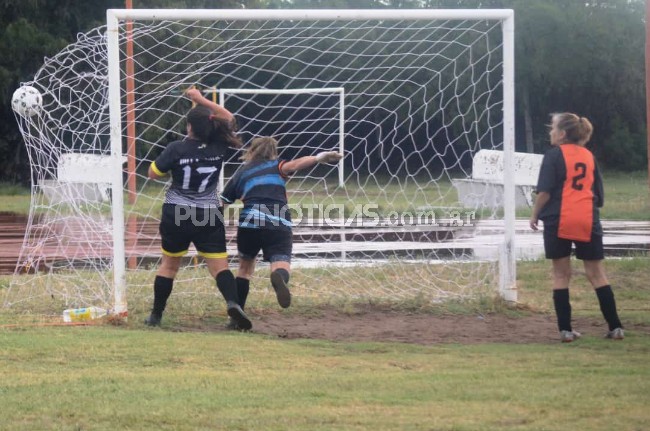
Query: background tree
[[585, 56]]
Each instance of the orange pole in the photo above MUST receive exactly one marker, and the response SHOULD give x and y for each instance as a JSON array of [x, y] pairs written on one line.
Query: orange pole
[[130, 109], [647, 82]]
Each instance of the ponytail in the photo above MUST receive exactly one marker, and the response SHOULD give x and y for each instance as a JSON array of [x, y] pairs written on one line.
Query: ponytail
[[578, 129], [212, 129], [224, 131]]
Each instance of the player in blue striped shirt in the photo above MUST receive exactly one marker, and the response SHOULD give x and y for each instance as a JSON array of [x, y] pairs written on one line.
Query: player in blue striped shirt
[[265, 221]]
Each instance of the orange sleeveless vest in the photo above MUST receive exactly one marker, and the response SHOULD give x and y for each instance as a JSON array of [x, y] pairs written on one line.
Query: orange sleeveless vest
[[577, 208]]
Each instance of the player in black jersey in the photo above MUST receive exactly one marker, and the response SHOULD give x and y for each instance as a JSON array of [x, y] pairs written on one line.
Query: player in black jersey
[[265, 221], [190, 213]]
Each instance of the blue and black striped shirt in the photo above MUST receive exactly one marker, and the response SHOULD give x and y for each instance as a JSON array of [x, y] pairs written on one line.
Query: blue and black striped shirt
[[260, 185]]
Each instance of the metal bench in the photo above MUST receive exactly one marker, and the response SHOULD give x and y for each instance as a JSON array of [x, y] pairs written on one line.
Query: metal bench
[[485, 187], [81, 178]]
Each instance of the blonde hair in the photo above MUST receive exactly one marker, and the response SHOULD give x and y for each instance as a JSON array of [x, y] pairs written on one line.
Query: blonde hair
[[578, 130], [262, 148]]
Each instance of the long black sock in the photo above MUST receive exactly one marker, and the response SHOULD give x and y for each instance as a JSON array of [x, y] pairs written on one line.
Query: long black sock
[[562, 309], [162, 288], [227, 286], [243, 286], [284, 274], [608, 306]]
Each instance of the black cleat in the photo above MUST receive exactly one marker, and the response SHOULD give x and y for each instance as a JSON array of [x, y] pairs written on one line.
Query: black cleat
[[238, 316], [281, 290], [153, 320], [232, 325]]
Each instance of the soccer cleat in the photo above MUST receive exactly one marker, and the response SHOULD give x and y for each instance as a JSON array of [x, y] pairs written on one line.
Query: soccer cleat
[[232, 325], [616, 334], [238, 316], [281, 290], [569, 336], [153, 320]]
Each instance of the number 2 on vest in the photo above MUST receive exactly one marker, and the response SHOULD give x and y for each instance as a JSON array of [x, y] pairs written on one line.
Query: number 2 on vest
[[581, 169]]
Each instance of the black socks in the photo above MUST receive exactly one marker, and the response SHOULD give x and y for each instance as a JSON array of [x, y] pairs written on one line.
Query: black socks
[[243, 286], [284, 274], [227, 286], [162, 288], [562, 309], [608, 306]]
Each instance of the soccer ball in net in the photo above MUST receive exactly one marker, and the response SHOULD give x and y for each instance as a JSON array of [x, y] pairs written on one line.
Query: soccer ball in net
[[26, 101]]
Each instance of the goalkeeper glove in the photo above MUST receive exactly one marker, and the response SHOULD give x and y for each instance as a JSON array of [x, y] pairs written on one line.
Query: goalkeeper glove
[[328, 157]]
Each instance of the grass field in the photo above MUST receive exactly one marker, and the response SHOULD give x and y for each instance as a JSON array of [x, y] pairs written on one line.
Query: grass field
[[130, 377], [127, 376]]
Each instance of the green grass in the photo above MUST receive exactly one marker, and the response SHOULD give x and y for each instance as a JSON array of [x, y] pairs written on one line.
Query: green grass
[[628, 276], [129, 377], [15, 198], [112, 378]]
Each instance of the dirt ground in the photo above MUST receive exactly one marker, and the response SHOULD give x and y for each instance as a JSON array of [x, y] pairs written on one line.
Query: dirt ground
[[374, 324]]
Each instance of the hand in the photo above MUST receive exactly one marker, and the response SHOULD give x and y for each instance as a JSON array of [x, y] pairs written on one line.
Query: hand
[[533, 223], [328, 157], [194, 95]]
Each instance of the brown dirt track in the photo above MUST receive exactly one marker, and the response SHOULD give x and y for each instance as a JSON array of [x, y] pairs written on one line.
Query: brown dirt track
[[376, 324]]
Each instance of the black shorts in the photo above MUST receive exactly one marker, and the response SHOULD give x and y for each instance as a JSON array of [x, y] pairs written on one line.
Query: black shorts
[[558, 248], [276, 245], [181, 225]]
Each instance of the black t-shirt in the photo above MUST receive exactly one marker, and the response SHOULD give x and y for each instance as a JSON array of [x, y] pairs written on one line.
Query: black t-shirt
[[552, 175], [195, 168]]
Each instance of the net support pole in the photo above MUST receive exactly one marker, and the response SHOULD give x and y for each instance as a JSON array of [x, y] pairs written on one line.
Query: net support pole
[[507, 261], [117, 193], [341, 135]]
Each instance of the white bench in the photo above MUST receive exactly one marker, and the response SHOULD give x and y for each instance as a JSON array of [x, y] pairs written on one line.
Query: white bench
[[80, 178], [485, 188]]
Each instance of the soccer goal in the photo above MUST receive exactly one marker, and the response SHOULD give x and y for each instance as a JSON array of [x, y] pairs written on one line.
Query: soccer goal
[[409, 96]]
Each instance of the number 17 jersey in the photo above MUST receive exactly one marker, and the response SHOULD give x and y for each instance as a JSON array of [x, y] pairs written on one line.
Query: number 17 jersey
[[570, 175], [195, 168]]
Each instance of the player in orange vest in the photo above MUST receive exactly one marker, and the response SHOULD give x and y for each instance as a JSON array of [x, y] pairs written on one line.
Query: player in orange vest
[[569, 195]]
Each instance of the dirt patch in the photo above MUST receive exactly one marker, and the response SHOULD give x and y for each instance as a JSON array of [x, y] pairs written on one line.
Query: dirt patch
[[384, 325]]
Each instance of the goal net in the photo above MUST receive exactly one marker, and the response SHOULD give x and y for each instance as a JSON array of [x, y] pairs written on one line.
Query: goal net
[[408, 96]]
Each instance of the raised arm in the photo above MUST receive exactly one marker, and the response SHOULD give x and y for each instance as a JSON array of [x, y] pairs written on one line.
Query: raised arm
[[197, 97], [309, 161]]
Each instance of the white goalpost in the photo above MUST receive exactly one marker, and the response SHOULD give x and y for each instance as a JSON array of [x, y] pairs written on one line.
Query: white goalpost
[[408, 96]]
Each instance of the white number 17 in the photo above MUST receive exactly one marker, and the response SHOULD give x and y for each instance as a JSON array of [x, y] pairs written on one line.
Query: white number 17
[[207, 170]]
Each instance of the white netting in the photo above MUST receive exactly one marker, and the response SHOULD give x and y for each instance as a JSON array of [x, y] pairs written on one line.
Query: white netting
[[419, 99]]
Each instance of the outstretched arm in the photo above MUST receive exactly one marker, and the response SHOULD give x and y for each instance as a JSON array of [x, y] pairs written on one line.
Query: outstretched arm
[[197, 97], [309, 161]]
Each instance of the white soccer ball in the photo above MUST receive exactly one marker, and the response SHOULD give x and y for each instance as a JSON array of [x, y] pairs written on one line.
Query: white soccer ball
[[26, 101]]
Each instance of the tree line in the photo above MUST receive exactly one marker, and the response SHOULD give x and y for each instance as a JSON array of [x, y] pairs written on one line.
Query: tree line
[[570, 55]]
